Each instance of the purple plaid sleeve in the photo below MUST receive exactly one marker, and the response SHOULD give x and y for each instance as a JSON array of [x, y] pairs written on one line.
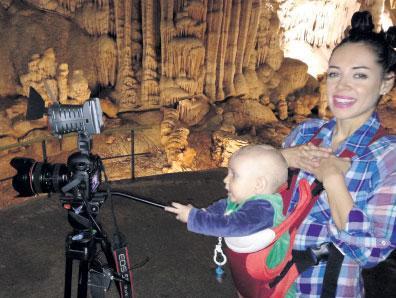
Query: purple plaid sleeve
[[370, 233]]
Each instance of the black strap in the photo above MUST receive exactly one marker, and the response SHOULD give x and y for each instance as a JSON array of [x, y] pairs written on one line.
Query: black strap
[[333, 268], [304, 259]]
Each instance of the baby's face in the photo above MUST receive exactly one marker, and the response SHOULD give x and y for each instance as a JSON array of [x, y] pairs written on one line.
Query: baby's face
[[241, 180]]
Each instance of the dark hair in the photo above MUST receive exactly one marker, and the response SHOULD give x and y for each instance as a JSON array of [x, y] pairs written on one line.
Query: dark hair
[[381, 43]]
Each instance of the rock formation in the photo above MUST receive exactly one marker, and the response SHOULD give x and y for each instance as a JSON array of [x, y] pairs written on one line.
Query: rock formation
[[234, 70]]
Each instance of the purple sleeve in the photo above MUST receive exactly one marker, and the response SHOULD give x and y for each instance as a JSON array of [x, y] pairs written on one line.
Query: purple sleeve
[[254, 216], [217, 207]]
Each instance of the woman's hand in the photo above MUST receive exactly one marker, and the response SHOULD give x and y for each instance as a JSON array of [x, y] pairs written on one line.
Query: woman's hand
[[331, 168], [306, 157]]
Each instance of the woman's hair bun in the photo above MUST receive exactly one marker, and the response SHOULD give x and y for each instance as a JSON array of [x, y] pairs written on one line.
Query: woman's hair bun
[[362, 22], [390, 36]]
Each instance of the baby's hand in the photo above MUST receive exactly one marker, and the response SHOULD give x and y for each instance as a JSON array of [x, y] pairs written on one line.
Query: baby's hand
[[181, 211]]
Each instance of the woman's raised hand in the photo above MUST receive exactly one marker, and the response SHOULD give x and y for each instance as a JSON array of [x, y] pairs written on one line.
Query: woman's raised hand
[[332, 169], [306, 157]]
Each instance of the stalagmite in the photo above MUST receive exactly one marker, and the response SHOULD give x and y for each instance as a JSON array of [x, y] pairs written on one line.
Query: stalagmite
[[78, 89], [63, 72], [225, 144]]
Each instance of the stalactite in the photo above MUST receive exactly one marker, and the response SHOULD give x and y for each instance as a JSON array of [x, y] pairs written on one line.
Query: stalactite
[[182, 49], [262, 33], [94, 18], [224, 35], [215, 17], [107, 61], [150, 83], [243, 34], [126, 90], [197, 10], [252, 31], [193, 110], [101, 3], [112, 19], [71, 5], [232, 47], [275, 53], [314, 28], [186, 56], [188, 85], [167, 33]]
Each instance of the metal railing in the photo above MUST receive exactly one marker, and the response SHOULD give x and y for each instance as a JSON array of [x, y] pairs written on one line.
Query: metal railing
[[44, 140]]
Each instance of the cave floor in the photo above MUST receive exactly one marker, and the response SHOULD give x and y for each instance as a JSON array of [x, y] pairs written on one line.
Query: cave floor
[[180, 264]]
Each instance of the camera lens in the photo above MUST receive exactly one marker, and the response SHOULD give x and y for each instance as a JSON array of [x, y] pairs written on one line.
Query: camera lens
[[37, 177]]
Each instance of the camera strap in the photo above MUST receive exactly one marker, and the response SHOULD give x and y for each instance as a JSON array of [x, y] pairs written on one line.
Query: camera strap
[[123, 266]]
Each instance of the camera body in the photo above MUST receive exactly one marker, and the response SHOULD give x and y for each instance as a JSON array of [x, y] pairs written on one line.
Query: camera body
[[34, 177]]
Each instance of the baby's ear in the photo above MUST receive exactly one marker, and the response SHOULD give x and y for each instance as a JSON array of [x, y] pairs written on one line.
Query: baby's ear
[[261, 184]]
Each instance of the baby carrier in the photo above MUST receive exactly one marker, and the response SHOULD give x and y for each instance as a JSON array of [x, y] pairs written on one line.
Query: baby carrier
[[265, 282]]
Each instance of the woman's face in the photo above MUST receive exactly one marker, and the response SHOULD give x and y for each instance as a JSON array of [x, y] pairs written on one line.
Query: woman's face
[[355, 82]]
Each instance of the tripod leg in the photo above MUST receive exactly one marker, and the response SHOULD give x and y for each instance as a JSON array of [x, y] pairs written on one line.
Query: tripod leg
[[68, 277], [83, 279]]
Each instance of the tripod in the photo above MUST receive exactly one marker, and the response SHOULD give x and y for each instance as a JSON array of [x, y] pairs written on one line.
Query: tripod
[[88, 244], [93, 251]]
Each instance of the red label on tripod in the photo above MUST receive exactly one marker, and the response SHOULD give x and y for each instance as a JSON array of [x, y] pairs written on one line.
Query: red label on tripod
[[124, 270]]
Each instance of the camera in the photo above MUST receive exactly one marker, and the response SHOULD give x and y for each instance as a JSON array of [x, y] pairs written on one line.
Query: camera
[[35, 177], [78, 181], [82, 167]]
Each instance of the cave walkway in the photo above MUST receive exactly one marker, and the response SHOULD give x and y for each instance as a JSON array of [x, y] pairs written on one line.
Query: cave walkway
[[32, 240]]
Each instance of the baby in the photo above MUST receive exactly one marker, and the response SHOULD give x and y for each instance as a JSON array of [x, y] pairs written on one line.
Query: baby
[[253, 206], [255, 173]]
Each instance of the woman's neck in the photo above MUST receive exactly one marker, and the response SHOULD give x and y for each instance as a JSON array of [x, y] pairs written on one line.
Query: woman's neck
[[344, 129]]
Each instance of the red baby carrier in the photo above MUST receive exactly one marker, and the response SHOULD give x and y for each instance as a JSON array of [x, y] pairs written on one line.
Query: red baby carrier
[[263, 282]]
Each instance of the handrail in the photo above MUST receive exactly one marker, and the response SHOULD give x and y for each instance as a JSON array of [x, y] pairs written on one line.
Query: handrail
[[50, 137]]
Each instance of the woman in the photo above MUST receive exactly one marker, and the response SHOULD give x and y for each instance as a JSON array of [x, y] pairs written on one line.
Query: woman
[[357, 210]]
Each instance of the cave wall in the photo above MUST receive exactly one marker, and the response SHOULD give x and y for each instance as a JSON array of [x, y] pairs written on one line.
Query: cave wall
[[155, 53]]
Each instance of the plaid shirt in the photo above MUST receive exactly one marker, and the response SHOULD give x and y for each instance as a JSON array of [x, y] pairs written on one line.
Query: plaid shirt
[[370, 232]]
